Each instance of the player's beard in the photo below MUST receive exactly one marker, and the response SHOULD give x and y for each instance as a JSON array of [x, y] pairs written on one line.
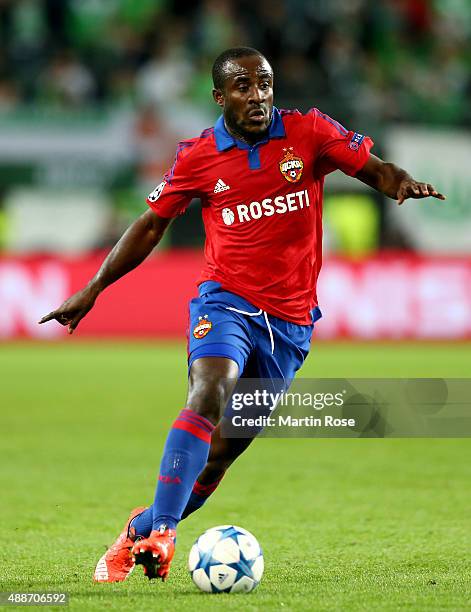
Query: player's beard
[[236, 128]]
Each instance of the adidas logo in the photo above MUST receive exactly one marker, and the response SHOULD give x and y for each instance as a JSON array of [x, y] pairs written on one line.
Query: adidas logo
[[220, 186], [221, 577]]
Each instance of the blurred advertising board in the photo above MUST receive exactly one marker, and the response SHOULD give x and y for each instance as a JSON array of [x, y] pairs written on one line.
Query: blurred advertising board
[[439, 157], [394, 296]]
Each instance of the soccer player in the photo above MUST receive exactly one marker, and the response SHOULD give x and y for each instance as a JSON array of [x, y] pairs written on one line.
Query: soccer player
[[259, 173]]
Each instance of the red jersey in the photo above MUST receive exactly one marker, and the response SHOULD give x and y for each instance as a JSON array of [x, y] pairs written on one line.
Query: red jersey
[[262, 205]]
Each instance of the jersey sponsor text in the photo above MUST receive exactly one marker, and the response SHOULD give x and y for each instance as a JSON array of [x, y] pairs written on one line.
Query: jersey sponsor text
[[268, 207]]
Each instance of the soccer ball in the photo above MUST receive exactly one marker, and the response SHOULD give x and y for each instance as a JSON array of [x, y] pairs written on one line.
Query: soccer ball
[[226, 559]]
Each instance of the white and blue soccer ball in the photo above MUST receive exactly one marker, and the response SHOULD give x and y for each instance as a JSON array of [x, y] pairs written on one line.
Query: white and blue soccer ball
[[226, 559]]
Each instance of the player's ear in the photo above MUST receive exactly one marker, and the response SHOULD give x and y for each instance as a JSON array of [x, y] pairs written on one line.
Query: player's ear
[[218, 96]]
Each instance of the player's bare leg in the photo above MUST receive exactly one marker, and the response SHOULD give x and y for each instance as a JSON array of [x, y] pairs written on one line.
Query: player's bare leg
[[186, 452]]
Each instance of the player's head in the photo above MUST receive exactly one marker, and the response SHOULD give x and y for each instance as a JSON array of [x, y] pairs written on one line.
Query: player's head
[[243, 88]]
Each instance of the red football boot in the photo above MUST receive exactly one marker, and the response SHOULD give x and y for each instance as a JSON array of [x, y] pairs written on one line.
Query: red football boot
[[155, 553], [117, 562]]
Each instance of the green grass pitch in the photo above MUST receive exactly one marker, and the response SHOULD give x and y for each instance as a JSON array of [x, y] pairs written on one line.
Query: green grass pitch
[[344, 524]]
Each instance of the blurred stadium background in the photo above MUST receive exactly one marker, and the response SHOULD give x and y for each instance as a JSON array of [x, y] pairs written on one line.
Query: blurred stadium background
[[94, 95]]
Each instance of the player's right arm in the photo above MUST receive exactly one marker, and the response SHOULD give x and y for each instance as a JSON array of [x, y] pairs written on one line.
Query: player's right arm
[[133, 247], [168, 200]]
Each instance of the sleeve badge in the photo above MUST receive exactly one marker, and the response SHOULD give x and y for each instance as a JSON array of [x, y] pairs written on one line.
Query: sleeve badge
[[355, 142], [203, 327]]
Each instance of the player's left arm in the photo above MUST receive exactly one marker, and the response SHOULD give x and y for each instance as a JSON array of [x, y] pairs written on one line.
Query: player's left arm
[[394, 182]]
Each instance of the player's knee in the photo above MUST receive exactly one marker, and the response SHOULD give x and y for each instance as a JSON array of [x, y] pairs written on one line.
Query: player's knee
[[210, 385], [206, 397]]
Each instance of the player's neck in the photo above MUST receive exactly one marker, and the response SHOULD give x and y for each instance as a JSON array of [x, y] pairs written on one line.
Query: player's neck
[[249, 139]]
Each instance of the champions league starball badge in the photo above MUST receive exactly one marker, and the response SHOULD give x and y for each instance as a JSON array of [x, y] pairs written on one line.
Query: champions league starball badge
[[291, 166]]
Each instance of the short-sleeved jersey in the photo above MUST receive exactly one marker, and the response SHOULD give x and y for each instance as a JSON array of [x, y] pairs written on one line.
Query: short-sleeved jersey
[[262, 205]]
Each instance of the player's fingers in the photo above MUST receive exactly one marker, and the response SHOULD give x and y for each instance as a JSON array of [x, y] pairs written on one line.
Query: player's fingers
[[402, 195], [423, 189], [48, 317], [64, 319], [439, 196], [415, 189], [75, 321]]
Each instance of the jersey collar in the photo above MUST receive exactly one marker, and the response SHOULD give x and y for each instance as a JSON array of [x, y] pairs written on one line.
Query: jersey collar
[[225, 141]]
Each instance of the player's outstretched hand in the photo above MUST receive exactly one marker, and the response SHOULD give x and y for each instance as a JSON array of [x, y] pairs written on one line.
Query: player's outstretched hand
[[412, 189], [74, 309]]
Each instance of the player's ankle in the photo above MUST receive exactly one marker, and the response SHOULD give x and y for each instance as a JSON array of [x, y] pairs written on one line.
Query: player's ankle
[[162, 523], [164, 529]]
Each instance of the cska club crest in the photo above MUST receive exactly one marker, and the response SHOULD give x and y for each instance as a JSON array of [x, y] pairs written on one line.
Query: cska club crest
[[203, 327], [291, 166]]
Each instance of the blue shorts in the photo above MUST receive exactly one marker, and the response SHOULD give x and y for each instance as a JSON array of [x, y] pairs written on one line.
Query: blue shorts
[[223, 324]]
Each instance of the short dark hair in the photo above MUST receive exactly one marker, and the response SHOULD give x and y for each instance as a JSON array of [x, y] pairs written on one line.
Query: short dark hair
[[220, 62]]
